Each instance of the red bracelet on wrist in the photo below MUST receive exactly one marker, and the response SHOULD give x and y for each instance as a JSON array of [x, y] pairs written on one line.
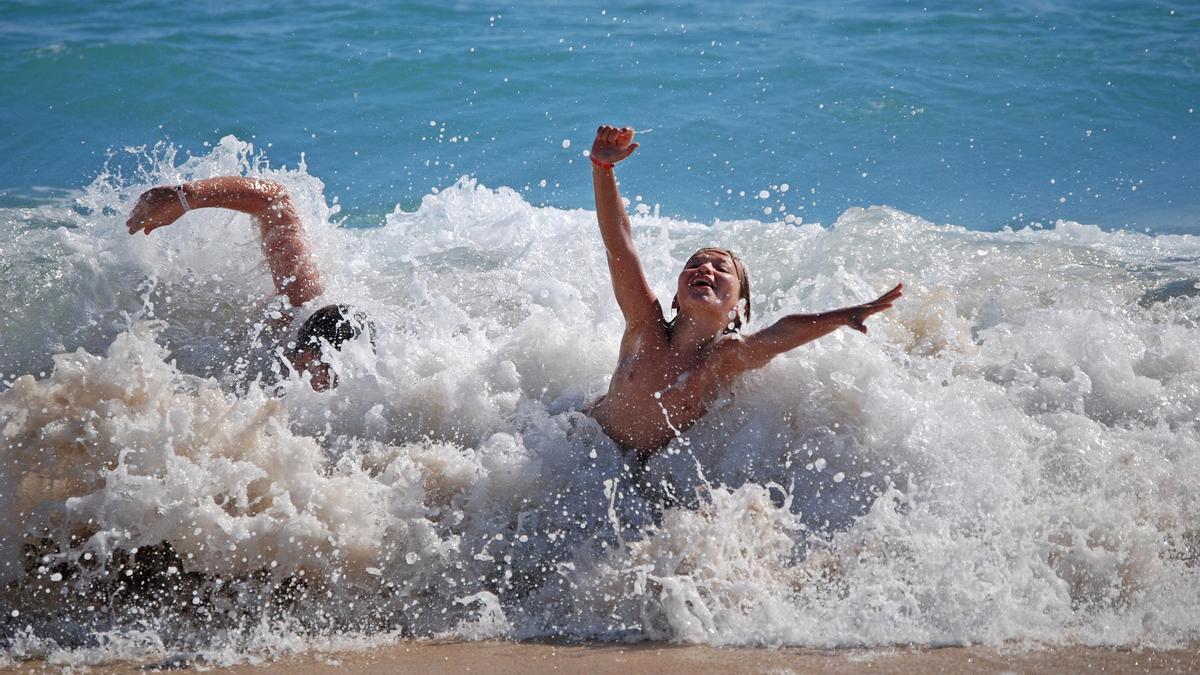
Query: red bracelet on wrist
[[602, 165]]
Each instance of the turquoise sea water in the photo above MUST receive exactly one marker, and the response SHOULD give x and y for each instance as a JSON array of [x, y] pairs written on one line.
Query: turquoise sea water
[[981, 116]]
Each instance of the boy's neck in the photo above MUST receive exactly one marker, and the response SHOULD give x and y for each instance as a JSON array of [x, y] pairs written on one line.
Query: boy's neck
[[691, 333]]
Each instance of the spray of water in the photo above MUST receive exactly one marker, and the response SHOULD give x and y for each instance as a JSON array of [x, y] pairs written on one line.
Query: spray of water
[[1007, 455]]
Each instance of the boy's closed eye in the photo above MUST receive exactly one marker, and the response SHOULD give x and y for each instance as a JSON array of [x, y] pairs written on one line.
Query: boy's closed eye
[[720, 265]]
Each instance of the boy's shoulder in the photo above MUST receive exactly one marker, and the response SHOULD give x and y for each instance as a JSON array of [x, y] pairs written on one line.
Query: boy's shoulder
[[726, 354], [726, 343], [732, 337]]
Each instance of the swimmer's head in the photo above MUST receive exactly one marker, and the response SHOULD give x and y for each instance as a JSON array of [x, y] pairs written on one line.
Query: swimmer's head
[[715, 280], [332, 325]]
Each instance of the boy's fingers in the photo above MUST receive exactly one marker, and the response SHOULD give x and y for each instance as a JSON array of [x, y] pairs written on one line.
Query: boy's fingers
[[894, 293]]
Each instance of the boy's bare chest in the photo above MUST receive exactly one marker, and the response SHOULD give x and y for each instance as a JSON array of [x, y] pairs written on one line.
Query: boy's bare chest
[[655, 371]]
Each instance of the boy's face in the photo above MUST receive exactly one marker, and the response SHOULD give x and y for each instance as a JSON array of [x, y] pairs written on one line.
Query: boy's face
[[322, 376], [708, 284]]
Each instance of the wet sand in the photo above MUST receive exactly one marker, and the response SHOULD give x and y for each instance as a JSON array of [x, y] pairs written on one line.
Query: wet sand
[[665, 659]]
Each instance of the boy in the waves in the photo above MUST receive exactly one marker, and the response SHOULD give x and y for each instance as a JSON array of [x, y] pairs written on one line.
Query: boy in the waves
[[669, 372], [289, 257]]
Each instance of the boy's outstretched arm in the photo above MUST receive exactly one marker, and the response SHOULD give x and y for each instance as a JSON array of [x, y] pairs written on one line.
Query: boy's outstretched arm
[[757, 349], [634, 297], [289, 256]]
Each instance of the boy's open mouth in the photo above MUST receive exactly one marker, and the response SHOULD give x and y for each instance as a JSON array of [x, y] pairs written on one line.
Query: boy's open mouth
[[702, 282]]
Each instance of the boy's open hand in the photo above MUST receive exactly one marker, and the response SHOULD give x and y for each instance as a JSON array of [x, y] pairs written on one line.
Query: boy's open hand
[[157, 207], [612, 144], [855, 316]]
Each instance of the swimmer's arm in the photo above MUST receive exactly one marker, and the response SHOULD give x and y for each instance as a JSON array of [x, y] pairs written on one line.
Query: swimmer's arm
[[289, 256], [757, 349], [633, 293]]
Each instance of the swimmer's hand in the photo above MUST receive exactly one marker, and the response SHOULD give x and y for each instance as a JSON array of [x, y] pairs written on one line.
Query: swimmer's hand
[[157, 207], [857, 315], [612, 144]]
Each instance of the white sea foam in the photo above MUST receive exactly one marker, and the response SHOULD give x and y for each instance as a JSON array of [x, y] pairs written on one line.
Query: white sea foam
[[1009, 454]]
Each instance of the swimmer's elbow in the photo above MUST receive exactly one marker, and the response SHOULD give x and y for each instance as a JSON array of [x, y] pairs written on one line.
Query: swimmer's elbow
[[274, 195]]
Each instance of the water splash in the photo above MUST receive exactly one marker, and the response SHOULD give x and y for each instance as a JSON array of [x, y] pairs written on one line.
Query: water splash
[[1004, 457]]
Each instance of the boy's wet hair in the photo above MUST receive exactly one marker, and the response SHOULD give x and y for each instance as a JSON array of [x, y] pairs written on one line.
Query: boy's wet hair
[[739, 268], [336, 324]]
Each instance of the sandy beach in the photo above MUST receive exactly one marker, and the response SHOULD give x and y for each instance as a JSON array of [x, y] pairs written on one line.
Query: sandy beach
[[664, 659]]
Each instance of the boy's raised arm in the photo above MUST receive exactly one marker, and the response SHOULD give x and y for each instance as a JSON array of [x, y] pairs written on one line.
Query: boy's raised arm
[[634, 297], [757, 349], [289, 256]]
